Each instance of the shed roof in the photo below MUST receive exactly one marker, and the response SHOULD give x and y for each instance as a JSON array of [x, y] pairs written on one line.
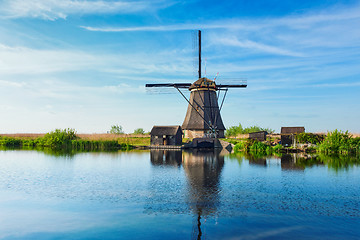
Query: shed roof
[[165, 130], [289, 130]]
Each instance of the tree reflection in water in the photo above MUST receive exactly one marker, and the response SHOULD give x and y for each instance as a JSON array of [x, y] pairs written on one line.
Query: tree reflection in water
[[300, 161]]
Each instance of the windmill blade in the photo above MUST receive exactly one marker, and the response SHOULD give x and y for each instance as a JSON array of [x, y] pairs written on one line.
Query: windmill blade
[[238, 83], [160, 91], [175, 85], [220, 86], [195, 53]]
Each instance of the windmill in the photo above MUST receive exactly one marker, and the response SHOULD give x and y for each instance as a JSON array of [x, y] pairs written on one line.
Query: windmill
[[203, 117]]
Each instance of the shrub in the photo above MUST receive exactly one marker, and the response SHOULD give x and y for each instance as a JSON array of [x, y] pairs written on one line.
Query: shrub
[[58, 138], [277, 148], [309, 138], [242, 146], [9, 142], [339, 142], [258, 147], [252, 146]]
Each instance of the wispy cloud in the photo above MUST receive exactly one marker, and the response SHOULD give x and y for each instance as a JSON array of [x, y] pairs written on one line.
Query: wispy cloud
[[29, 61], [299, 21], [258, 46], [54, 9], [292, 35], [335, 85], [177, 27], [4, 83], [22, 60]]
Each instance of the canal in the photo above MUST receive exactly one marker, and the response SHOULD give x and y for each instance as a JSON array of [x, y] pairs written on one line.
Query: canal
[[177, 195]]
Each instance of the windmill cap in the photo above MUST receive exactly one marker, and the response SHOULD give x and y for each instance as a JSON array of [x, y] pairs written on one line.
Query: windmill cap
[[203, 84]]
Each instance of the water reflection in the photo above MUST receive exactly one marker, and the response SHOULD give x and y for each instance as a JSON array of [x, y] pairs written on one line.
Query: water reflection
[[203, 170], [66, 153], [161, 157], [177, 195], [289, 162], [258, 161], [300, 161], [333, 162]]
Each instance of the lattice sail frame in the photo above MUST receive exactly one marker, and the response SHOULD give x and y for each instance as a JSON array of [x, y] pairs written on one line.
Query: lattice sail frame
[[203, 117]]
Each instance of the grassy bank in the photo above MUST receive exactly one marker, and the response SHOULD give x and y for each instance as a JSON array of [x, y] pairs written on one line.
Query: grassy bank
[[335, 142], [68, 139], [253, 146]]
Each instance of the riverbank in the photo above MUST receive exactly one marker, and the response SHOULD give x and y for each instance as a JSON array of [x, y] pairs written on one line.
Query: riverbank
[[67, 138], [334, 142], [84, 136]]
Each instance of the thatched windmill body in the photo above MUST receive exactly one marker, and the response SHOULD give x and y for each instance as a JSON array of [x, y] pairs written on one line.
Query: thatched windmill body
[[203, 117]]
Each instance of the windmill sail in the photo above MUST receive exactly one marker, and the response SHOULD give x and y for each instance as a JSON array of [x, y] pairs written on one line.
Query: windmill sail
[[203, 117]]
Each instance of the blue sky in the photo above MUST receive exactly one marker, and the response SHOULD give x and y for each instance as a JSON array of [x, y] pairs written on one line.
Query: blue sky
[[84, 64]]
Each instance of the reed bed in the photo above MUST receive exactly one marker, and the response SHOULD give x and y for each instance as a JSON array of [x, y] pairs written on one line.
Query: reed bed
[[68, 139]]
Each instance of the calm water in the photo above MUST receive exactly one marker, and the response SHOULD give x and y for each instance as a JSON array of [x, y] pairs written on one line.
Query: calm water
[[176, 195]]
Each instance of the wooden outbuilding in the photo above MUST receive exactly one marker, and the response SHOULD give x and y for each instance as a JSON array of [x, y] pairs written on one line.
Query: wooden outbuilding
[[260, 136], [288, 134], [166, 136]]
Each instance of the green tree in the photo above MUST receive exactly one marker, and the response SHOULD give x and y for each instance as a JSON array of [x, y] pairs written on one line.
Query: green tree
[[116, 129], [236, 130], [139, 131]]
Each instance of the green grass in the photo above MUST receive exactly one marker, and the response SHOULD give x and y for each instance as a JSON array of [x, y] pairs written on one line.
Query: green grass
[[135, 141], [67, 139]]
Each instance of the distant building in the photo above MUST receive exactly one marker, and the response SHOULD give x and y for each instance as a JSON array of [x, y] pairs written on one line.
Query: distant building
[[260, 136], [166, 135], [288, 134]]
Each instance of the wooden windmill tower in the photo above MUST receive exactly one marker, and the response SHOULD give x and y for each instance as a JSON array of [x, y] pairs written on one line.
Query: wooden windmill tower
[[203, 117]]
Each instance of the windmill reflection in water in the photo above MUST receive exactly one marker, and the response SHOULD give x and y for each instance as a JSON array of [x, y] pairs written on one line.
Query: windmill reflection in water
[[202, 169]]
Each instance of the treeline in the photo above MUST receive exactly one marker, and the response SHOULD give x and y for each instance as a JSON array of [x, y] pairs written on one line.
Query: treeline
[[234, 131], [118, 129], [64, 139]]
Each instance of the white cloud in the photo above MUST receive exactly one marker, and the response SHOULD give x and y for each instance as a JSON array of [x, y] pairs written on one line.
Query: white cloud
[[302, 21], [336, 85], [122, 88], [4, 83], [54, 9], [22, 60], [254, 45], [302, 35], [178, 27], [28, 61]]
